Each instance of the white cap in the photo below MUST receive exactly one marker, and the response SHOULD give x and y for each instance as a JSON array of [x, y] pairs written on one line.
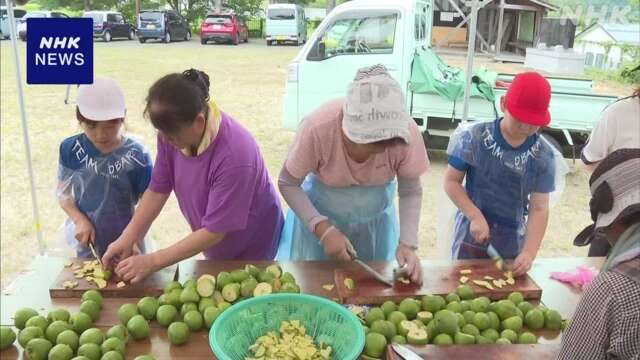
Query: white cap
[[101, 101], [375, 108]]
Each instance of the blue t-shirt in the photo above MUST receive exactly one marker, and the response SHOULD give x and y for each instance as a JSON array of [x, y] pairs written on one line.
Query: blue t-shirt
[[499, 177], [105, 187]]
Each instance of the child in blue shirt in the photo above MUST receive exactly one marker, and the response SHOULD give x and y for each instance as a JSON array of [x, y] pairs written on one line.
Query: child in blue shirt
[[101, 172], [509, 171]]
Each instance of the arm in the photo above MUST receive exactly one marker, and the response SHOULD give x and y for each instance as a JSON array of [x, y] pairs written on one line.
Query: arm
[[84, 230], [137, 268], [410, 206], [297, 199], [453, 187], [193, 244], [536, 227], [147, 211], [68, 204], [335, 243]]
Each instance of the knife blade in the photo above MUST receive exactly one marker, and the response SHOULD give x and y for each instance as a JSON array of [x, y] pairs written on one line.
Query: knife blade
[[95, 254], [176, 274], [405, 353], [373, 273], [495, 256]]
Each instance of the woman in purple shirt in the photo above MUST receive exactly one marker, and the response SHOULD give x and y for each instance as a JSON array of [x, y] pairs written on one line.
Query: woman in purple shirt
[[219, 177]]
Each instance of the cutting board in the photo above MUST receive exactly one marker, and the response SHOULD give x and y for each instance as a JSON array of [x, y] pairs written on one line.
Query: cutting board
[[480, 352], [437, 280], [151, 286]]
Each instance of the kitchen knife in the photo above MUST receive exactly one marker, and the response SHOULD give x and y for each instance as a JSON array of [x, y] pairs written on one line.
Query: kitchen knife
[[372, 272], [95, 254], [495, 256], [405, 353]]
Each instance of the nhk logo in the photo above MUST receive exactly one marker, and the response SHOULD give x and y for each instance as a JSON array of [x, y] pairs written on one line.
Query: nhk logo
[[55, 58], [59, 51]]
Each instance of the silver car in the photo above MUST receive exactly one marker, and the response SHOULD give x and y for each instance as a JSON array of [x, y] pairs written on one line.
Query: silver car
[[22, 24], [4, 21]]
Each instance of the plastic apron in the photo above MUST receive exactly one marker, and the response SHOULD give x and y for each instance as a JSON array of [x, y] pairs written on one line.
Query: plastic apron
[[105, 188], [366, 215], [500, 181]]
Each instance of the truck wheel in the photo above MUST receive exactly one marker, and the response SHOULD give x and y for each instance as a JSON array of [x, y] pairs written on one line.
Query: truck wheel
[[187, 37], [107, 36], [268, 43], [236, 39], [203, 41], [142, 40], [167, 38], [132, 34]]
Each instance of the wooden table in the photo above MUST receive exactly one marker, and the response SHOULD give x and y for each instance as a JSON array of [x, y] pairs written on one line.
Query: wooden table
[[31, 289]]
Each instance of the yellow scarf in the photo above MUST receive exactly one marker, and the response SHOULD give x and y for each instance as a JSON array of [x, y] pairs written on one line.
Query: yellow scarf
[[206, 140]]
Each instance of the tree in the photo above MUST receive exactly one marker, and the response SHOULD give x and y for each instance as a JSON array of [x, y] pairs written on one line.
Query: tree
[[126, 7], [244, 8], [298, 2]]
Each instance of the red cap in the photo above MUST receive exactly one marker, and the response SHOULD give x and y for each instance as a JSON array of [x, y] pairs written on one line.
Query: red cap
[[528, 99]]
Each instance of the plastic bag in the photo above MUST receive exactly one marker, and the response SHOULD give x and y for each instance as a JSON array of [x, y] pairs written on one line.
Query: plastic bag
[[500, 179], [104, 187]]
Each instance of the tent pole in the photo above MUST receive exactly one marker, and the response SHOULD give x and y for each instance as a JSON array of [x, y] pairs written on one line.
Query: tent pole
[[25, 130], [470, 54]]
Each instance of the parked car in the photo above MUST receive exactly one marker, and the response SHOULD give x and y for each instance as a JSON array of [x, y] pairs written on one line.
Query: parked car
[[22, 24], [223, 26], [110, 25], [165, 25], [4, 21], [286, 23]]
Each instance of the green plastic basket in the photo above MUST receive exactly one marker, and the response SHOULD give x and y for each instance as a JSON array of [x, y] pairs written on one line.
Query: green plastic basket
[[238, 327]]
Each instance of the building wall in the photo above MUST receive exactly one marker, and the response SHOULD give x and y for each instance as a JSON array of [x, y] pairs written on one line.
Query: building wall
[[595, 53]]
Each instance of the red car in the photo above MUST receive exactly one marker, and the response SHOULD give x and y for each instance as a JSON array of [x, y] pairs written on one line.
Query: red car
[[223, 27]]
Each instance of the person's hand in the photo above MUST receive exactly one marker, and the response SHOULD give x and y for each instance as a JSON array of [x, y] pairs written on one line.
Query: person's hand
[[136, 250], [85, 233], [407, 255], [337, 246], [135, 268], [522, 263], [479, 229], [117, 251]]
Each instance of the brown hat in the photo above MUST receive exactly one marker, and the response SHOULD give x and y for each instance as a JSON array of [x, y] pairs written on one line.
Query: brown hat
[[615, 192]]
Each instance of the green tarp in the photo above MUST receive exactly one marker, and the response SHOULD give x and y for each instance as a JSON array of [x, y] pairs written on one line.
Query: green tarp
[[431, 75]]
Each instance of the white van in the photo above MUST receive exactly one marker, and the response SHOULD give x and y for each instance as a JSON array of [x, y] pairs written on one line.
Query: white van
[[286, 23]]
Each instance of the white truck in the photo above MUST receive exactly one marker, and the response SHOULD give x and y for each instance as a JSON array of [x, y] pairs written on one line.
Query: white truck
[[397, 33]]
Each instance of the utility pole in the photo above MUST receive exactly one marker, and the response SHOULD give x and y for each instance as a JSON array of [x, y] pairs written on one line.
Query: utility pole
[[137, 8]]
